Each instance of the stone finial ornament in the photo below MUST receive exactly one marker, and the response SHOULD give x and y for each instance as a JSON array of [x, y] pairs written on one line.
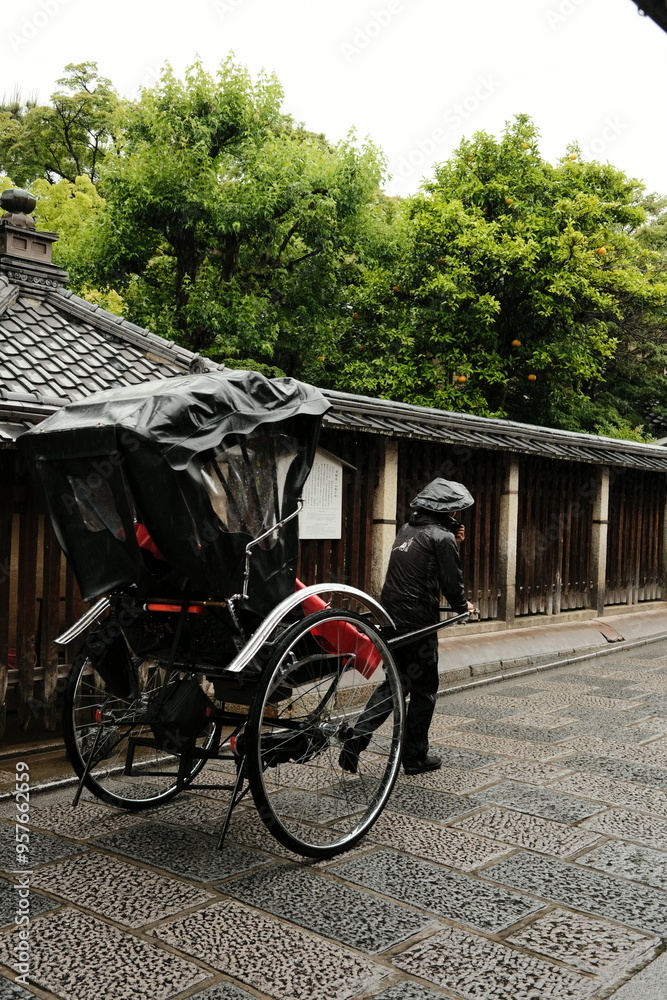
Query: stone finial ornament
[[16, 202]]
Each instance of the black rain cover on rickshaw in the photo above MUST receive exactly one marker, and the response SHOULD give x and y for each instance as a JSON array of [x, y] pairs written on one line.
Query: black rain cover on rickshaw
[[193, 467]]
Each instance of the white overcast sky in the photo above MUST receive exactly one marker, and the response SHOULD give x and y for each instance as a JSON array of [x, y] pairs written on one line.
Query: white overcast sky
[[414, 75]]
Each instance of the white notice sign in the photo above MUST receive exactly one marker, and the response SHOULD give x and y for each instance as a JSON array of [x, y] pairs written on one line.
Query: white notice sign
[[322, 512]]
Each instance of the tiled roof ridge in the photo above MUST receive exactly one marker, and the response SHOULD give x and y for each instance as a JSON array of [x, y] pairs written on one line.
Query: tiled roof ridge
[[407, 420], [27, 406], [385, 407], [65, 300], [8, 295]]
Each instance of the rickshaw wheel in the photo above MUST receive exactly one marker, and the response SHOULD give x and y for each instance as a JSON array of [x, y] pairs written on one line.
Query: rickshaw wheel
[[98, 720], [307, 703]]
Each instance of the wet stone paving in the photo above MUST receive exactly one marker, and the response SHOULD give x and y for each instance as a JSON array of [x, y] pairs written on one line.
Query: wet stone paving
[[532, 866]]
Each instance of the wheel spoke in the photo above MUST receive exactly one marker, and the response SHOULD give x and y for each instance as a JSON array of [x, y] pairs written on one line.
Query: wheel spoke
[[306, 799], [92, 713]]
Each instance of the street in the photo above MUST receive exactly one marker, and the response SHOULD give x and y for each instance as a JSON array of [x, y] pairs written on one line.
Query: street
[[532, 866]]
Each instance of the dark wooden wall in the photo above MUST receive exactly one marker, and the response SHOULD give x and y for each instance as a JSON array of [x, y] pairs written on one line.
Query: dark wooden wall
[[39, 596], [554, 546], [482, 472], [635, 538]]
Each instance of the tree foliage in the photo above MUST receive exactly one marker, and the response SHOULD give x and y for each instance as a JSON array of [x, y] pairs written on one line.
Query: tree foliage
[[227, 226], [512, 288], [508, 286], [65, 139]]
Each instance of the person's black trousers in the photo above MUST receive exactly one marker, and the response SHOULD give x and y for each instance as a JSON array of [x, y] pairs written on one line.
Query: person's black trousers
[[417, 664]]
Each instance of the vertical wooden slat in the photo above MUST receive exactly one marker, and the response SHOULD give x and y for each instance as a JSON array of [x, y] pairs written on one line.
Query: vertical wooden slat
[[73, 600], [355, 532], [535, 498], [623, 573], [367, 513], [555, 506], [639, 525], [50, 624], [6, 505], [636, 518], [27, 606]]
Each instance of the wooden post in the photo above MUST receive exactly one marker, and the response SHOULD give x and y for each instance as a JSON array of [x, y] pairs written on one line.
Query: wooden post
[[50, 624], [663, 565], [508, 540], [27, 601], [599, 535], [384, 513]]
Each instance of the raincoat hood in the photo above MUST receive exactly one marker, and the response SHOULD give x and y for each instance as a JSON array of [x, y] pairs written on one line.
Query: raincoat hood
[[443, 496]]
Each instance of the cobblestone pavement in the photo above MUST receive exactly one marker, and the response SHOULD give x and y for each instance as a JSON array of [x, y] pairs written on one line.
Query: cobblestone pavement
[[533, 865]]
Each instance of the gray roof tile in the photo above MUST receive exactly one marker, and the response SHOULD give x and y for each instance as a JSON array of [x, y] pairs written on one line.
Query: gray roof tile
[[23, 396], [36, 378], [53, 320], [38, 352], [24, 337], [64, 380], [21, 362]]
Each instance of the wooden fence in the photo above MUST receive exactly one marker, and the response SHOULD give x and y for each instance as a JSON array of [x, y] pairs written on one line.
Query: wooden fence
[[554, 546], [483, 473], [635, 537], [39, 596]]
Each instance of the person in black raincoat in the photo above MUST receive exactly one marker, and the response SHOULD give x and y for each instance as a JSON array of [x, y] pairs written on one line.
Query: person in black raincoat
[[424, 562]]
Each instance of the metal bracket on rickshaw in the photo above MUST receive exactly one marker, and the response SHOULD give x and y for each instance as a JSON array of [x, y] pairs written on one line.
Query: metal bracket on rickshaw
[[243, 596], [260, 538]]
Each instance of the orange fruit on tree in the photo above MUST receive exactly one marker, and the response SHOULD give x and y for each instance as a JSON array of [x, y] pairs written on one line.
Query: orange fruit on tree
[[532, 378], [601, 250], [516, 343], [461, 378]]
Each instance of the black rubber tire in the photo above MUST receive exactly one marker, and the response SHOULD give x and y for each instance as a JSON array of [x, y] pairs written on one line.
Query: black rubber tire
[[86, 696], [297, 724]]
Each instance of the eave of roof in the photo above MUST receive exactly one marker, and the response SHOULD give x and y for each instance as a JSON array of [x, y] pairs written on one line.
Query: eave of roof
[[405, 420], [56, 347]]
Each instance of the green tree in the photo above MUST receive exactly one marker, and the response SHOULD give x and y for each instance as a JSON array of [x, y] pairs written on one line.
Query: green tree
[[65, 139], [511, 288], [227, 226]]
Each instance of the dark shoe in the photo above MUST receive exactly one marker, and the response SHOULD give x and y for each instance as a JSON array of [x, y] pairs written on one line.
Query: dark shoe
[[349, 757], [422, 765]]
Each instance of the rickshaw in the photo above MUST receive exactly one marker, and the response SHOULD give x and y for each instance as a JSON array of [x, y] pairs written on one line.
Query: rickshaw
[[176, 504]]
